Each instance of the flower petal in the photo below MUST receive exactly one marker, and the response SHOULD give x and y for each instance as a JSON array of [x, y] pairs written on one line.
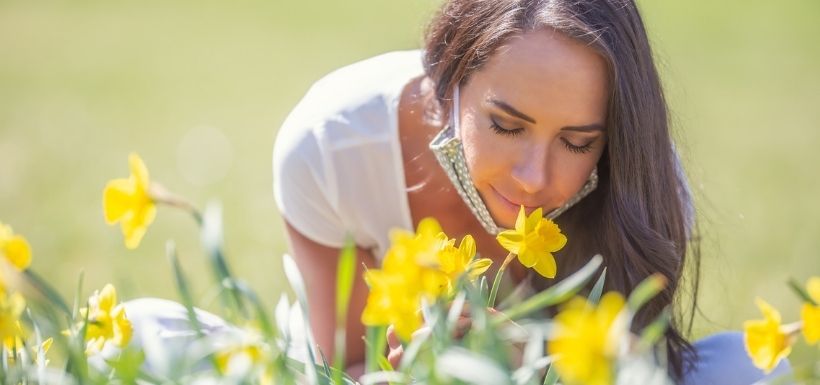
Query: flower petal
[[122, 327], [135, 227], [810, 315], [534, 219], [117, 199], [479, 267], [138, 171], [18, 252], [428, 227], [107, 298], [769, 312], [545, 265], [813, 288], [528, 257], [467, 247], [510, 240], [521, 221]]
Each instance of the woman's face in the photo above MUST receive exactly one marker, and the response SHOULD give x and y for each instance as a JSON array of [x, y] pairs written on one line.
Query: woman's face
[[532, 123]]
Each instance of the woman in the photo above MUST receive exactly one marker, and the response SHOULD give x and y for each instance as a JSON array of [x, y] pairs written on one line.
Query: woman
[[550, 104]]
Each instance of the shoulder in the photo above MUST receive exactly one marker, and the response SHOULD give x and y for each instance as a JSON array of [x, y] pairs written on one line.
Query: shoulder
[[361, 88], [339, 144], [352, 106]]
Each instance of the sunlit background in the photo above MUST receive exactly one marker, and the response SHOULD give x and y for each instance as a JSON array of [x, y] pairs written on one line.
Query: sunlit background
[[199, 88]]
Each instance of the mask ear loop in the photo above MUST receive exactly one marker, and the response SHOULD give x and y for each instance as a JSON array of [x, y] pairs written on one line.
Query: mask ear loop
[[456, 112]]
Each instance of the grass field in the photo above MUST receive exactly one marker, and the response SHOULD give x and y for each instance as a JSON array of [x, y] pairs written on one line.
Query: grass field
[[199, 88]]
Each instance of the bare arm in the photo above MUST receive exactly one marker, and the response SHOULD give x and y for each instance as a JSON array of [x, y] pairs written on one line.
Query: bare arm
[[318, 264]]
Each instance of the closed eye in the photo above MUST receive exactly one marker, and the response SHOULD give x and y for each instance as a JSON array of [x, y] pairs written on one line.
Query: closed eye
[[577, 149], [503, 130]]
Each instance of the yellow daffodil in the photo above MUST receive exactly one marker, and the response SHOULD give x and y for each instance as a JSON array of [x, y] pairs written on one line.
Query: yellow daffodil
[[14, 248], [410, 272], [394, 299], [240, 359], [455, 261], [107, 321], [586, 340], [127, 201], [533, 240], [11, 331], [810, 313], [767, 342]]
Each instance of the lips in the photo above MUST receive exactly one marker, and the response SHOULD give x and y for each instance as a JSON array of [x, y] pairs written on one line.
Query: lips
[[515, 206]]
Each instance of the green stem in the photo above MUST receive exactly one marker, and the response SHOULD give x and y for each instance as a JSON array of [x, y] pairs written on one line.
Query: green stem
[[497, 280]]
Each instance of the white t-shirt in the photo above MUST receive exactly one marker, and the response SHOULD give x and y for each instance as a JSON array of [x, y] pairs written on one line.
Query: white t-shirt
[[337, 160]]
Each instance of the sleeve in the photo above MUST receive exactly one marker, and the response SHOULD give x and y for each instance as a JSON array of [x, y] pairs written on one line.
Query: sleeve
[[304, 186]]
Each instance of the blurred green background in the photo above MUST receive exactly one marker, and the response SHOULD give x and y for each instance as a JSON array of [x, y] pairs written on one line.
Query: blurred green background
[[199, 88]]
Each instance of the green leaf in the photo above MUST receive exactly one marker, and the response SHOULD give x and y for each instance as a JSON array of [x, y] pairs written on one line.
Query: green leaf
[[653, 332], [556, 294], [298, 285], [413, 349], [389, 377], [212, 241], [645, 291], [384, 364], [598, 289], [801, 292], [470, 367], [496, 284], [345, 275], [375, 342], [127, 365], [46, 290], [182, 286], [552, 376]]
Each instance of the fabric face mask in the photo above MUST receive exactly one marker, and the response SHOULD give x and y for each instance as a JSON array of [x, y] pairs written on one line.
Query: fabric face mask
[[450, 154]]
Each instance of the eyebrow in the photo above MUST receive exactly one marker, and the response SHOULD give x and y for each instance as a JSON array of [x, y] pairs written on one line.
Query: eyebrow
[[518, 114], [510, 110]]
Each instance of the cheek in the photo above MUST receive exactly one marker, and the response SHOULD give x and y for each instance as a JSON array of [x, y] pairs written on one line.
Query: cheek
[[483, 152], [571, 171]]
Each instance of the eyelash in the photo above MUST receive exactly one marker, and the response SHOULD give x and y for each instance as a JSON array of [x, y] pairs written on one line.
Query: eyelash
[[518, 131]]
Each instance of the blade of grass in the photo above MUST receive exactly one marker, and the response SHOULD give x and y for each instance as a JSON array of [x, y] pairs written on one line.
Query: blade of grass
[[598, 289], [797, 289], [376, 342], [46, 290], [211, 235], [653, 332], [552, 376], [645, 291], [298, 285], [345, 274]]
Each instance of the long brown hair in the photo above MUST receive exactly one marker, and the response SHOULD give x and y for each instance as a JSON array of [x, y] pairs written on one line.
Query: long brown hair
[[640, 217]]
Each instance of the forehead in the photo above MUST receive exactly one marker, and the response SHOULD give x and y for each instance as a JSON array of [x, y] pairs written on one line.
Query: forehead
[[546, 74]]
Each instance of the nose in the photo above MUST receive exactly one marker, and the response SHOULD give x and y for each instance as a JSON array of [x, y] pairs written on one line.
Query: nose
[[531, 169]]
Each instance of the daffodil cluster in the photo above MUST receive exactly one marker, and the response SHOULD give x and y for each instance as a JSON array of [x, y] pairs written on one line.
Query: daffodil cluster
[[418, 266], [249, 355], [768, 341], [15, 252], [587, 339], [107, 321]]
